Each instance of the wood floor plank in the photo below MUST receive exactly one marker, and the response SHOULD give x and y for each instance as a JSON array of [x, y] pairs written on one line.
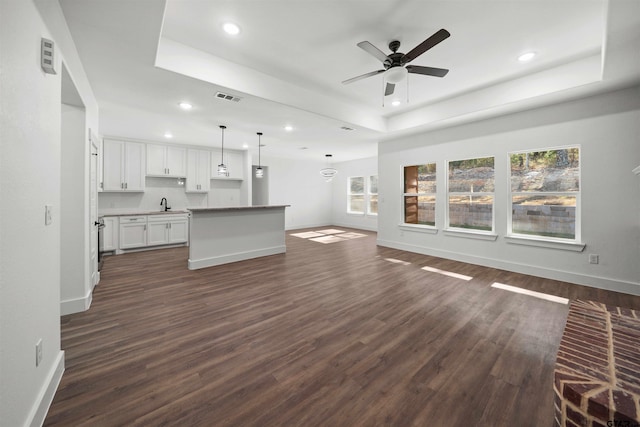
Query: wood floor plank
[[340, 334]]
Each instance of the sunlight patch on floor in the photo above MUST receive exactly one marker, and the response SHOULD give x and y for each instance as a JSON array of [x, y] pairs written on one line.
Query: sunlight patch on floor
[[447, 273], [330, 235], [547, 297], [397, 261]]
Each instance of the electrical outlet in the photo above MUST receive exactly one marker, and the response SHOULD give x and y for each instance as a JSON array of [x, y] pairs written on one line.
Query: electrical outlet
[[38, 352], [48, 214], [594, 259]]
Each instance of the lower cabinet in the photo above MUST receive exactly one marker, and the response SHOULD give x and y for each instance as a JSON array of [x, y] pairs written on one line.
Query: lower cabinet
[[166, 229], [110, 234], [139, 231], [133, 231]]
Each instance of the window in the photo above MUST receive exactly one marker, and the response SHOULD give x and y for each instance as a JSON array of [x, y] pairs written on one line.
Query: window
[[420, 194], [545, 193], [470, 194], [373, 195], [355, 195]]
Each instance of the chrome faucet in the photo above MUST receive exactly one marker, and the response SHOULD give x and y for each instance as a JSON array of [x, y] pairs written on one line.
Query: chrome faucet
[[166, 204]]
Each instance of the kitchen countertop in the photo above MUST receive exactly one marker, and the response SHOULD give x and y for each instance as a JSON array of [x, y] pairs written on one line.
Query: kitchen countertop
[[128, 213], [236, 208]]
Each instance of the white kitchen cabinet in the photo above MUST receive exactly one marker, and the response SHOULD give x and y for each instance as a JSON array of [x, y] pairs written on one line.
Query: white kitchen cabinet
[[133, 231], [234, 161], [110, 233], [198, 171], [123, 166], [166, 229], [166, 160]]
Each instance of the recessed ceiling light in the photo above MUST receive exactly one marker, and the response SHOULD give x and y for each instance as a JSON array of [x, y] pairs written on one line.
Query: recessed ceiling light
[[231, 28], [395, 102], [168, 135], [185, 106], [245, 145], [526, 56], [288, 128]]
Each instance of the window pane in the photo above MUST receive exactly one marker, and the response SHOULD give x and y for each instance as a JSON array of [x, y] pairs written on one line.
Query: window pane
[[549, 216], [373, 184], [551, 170], [356, 204], [356, 185], [472, 175], [420, 210], [475, 212], [373, 204]]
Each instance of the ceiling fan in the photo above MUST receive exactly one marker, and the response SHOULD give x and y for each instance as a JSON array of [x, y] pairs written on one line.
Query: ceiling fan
[[394, 63]]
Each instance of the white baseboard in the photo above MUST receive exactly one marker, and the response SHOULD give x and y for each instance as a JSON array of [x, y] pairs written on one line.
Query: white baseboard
[[76, 305], [195, 264], [356, 226], [48, 391], [547, 273]]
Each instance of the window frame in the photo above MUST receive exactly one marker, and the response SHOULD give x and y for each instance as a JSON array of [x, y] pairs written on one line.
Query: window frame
[[369, 195], [574, 244], [350, 194], [470, 232], [413, 226]]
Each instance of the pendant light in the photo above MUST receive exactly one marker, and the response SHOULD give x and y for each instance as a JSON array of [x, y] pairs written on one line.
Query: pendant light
[[222, 169], [259, 170], [328, 173]]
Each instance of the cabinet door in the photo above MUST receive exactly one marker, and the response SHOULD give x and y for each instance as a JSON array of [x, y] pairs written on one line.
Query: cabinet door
[[134, 166], [235, 163], [176, 161], [204, 170], [110, 234], [112, 173], [178, 230], [157, 233], [156, 155], [198, 173], [133, 235]]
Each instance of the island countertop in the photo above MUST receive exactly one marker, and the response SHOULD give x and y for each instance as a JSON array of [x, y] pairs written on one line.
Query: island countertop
[[236, 208]]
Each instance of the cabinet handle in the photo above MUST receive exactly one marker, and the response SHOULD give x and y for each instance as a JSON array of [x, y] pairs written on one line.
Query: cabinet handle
[[168, 171], [145, 227], [126, 185]]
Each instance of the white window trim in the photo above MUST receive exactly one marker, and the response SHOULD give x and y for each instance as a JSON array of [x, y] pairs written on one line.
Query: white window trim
[[420, 228], [544, 241], [368, 197], [470, 232], [363, 194]]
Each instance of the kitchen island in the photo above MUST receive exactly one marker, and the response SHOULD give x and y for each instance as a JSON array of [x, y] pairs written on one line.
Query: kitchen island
[[223, 235]]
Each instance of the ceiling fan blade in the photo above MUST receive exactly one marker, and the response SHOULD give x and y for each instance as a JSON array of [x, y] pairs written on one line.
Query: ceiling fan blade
[[436, 38], [368, 47], [389, 89], [427, 71], [364, 76]]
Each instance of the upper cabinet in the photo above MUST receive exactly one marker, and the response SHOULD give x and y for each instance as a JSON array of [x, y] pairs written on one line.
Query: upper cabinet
[[234, 161], [166, 160], [198, 171], [123, 165]]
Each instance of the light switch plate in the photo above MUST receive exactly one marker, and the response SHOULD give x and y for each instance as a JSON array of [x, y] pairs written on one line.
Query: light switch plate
[[48, 214]]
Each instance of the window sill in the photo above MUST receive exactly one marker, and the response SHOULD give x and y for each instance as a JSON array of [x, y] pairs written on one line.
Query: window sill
[[544, 243], [471, 234], [355, 213], [429, 229]]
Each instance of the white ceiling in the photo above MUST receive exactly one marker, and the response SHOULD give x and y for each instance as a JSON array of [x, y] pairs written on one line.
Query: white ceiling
[[143, 57]]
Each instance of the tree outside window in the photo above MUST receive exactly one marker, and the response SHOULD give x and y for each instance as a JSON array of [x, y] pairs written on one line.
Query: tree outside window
[[355, 195], [372, 208]]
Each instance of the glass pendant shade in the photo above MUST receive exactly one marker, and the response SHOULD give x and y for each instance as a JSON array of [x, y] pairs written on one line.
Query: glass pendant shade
[[259, 172], [222, 168]]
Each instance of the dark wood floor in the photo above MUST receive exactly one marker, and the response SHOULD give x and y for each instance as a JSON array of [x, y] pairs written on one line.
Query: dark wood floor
[[325, 335]]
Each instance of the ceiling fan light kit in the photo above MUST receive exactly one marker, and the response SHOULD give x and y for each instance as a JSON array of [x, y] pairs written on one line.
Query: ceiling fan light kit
[[395, 64]]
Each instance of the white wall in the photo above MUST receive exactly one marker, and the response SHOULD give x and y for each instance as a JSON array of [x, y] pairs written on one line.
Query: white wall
[[30, 179], [75, 285], [606, 126], [298, 183], [363, 167]]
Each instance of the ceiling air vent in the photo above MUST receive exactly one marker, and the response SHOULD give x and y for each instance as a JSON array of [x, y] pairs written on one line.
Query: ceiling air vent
[[346, 128], [228, 97]]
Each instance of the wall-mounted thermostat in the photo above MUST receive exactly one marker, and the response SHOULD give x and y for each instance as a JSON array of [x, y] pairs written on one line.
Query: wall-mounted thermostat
[[46, 57]]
